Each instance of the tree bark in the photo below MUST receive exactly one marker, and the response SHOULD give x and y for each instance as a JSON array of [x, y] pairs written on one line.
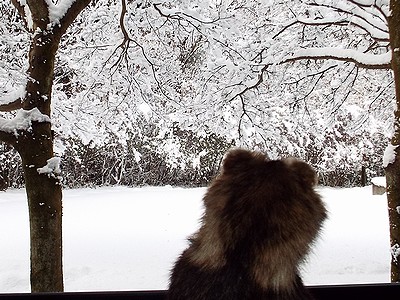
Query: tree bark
[[393, 169], [45, 210], [43, 190]]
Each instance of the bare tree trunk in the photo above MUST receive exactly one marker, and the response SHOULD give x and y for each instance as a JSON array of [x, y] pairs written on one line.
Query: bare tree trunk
[[43, 190], [393, 169], [45, 210]]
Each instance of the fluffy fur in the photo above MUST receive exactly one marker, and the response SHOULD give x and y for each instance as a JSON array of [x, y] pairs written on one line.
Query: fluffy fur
[[261, 216]]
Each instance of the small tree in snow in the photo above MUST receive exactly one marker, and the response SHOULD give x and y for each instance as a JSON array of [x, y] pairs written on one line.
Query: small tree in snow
[[30, 134]]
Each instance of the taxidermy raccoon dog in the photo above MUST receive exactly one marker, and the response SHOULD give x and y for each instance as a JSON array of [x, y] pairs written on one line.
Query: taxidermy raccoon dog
[[261, 217]]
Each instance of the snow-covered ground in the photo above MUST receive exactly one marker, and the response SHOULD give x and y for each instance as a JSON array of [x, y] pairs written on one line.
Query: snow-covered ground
[[120, 238]]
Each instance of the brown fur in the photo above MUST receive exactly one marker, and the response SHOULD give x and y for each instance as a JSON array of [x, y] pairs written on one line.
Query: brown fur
[[261, 216]]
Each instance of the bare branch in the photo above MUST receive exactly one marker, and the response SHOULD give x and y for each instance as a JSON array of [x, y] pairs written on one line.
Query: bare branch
[[230, 48], [177, 15], [382, 91], [316, 77], [122, 21], [349, 88], [124, 46], [244, 114], [260, 79], [314, 74]]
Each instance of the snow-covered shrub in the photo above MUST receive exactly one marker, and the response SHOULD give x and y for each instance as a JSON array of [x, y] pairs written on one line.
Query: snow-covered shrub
[[174, 157], [10, 168], [343, 157]]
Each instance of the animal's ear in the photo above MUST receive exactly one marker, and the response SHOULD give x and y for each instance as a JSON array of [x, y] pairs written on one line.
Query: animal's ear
[[303, 170], [240, 159]]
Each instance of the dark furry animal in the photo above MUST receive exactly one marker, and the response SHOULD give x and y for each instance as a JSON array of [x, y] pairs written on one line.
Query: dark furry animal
[[261, 216]]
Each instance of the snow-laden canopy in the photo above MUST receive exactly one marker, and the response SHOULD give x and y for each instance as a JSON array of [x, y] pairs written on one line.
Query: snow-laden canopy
[[230, 68]]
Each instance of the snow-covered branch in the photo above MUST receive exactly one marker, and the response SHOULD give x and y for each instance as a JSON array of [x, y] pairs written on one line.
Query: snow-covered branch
[[65, 12], [41, 13], [363, 60], [124, 47], [389, 155], [9, 129], [22, 121], [175, 14], [378, 33], [357, 16], [12, 101], [375, 16]]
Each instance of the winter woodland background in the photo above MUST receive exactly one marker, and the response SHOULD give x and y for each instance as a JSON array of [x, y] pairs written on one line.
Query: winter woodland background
[[154, 92]]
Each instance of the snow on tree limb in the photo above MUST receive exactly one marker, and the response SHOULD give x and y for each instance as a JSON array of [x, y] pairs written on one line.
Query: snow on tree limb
[[369, 16], [65, 12], [25, 12], [377, 32], [22, 121], [59, 10], [374, 13], [363, 60], [41, 13]]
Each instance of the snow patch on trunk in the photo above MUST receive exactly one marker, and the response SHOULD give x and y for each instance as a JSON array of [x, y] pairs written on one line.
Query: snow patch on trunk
[[52, 168], [390, 155], [395, 250]]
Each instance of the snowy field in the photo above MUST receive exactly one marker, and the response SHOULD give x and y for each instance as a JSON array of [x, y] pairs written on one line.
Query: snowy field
[[120, 238]]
